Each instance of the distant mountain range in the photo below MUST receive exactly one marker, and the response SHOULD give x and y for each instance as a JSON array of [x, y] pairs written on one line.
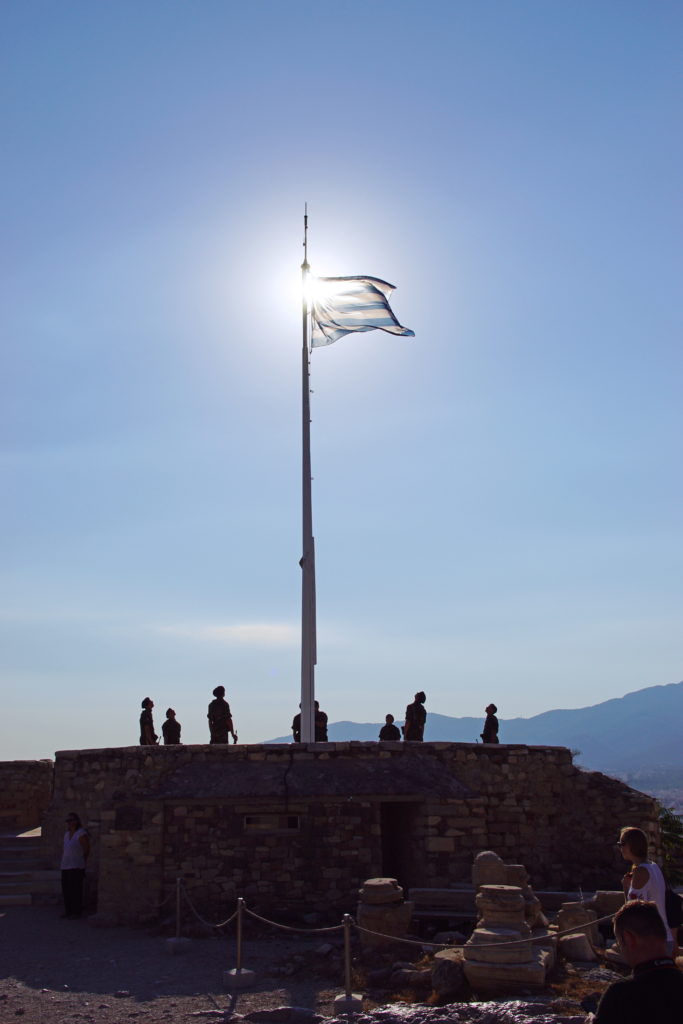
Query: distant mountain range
[[630, 736]]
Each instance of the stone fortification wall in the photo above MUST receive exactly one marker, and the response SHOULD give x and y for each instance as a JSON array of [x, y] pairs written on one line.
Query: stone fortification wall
[[25, 793], [297, 826]]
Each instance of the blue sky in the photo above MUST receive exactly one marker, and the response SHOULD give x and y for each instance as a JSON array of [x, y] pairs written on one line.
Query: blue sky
[[496, 501]]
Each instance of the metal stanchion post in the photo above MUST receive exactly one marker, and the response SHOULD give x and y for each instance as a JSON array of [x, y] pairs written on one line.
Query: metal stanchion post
[[350, 1002], [238, 977], [347, 954], [240, 911], [177, 944]]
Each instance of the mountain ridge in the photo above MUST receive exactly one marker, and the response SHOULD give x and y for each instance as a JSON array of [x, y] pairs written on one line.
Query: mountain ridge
[[641, 730]]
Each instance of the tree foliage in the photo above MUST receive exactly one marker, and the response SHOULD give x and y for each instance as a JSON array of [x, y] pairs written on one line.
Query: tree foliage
[[671, 830]]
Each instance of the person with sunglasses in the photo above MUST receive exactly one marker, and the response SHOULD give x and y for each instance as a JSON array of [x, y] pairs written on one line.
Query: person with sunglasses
[[75, 852], [645, 880]]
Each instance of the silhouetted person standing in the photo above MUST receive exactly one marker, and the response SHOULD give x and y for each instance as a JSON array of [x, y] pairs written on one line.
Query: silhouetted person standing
[[76, 848], [171, 729], [148, 737], [389, 732], [490, 733], [416, 716], [320, 724], [220, 718]]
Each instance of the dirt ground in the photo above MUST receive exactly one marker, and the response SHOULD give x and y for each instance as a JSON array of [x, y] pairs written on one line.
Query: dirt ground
[[54, 971]]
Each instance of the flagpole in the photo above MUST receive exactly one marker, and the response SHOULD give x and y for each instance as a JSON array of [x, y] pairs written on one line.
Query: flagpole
[[308, 616]]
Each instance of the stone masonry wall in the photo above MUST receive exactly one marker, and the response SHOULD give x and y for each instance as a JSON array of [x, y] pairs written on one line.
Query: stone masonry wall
[[25, 793], [236, 825]]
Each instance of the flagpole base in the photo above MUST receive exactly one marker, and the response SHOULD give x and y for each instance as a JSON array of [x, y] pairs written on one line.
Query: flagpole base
[[352, 1003]]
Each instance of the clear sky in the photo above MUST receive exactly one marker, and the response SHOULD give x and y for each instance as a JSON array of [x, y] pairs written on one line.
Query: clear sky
[[497, 501]]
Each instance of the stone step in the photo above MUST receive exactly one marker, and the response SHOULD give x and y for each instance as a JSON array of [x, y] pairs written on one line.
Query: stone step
[[31, 846], [15, 899], [21, 864], [32, 882]]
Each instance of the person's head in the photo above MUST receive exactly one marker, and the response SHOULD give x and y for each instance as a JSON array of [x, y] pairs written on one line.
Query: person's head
[[420, 697], [640, 932], [633, 843], [73, 822], [491, 709], [317, 705], [170, 713], [219, 691], [389, 719], [148, 703]]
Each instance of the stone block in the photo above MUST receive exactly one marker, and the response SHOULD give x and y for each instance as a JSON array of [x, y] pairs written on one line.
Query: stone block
[[380, 891], [448, 974], [388, 920], [516, 874], [607, 902], [488, 869], [484, 977], [577, 917], [577, 947], [497, 946]]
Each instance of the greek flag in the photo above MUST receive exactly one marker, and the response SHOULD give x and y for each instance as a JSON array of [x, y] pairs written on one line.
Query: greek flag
[[342, 305]]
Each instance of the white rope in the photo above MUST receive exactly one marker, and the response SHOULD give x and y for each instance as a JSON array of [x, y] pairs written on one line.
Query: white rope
[[199, 917], [489, 945], [547, 936], [289, 928]]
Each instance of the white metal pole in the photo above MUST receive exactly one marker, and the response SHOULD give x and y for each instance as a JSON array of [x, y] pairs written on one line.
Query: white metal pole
[[308, 617]]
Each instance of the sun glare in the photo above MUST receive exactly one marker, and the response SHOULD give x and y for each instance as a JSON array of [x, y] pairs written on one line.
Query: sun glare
[[317, 289]]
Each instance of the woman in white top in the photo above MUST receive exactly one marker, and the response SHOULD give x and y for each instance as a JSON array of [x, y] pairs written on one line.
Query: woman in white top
[[645, 880], [75, 853]]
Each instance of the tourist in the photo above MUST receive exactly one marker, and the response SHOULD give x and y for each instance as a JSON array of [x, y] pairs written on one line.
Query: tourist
[[389, 732], [654, 993], [220, 718], [490, 733], [148, 737], [76, 848], [320, 724], [296, 727], [645, 880], [416, 716], [171, 728]]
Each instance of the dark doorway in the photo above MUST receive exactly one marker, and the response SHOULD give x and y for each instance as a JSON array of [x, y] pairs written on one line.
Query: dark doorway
[[398, 842]]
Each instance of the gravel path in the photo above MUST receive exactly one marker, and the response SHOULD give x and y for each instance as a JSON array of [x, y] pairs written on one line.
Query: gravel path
[[54, 971]]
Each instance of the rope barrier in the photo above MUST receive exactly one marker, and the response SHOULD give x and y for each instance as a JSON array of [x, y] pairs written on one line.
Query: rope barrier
[[349, 921], [199, 917], [289, 928], [488, 945]]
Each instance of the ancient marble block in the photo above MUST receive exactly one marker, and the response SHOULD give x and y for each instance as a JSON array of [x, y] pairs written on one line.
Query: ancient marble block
[[498, 946], [485, 977], [577, 947], [488, 869], [389, 919], [380, 891]]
